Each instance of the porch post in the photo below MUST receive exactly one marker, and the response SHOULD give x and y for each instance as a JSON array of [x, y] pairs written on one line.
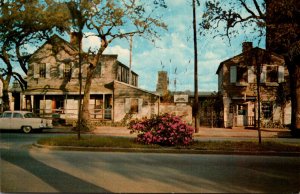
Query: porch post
[[66, 104], [112, 108], [23, 102], [226, 102], [103, 107], [31, 102], [44, 99]]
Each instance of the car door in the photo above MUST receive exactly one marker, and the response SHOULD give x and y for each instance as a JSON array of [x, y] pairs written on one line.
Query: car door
[[6, 120], [17, 121]]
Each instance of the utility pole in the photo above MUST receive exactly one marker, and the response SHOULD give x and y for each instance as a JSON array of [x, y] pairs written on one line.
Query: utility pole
[[79, 37], [130, 58], [196, 103], [258, 73]]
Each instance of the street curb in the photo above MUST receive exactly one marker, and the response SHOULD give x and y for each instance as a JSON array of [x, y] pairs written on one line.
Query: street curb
[[165, 150]]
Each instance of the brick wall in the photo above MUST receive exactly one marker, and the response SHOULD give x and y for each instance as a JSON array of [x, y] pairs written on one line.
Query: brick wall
[[184, 110]]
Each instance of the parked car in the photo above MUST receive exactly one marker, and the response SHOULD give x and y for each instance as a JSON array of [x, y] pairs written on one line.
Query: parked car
[[23, 120]]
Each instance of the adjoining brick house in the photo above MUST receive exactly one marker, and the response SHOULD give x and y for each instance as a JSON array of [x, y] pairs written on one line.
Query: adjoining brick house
[[53, 86], [237, 84]]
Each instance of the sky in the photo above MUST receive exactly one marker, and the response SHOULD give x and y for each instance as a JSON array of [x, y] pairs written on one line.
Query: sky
[[174, 52]]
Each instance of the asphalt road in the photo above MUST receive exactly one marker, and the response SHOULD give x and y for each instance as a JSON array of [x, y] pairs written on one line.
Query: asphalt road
[[28, 169]]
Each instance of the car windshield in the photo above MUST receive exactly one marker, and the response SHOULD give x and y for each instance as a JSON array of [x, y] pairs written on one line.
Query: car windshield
[[30, 115]]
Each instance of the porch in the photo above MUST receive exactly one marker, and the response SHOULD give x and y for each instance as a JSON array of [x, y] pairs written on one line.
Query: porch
[[66, 106]]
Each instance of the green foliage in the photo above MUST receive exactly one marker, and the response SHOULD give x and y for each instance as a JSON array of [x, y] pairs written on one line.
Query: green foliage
[[26, 23]]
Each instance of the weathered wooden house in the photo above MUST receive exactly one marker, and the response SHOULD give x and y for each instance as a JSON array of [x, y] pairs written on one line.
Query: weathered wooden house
[[237, 83], [53, 86]]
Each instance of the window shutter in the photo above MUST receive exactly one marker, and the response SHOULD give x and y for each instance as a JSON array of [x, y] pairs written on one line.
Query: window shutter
[[61, 70], [71, 65], [280, 74], [42, 106], [48, 71], [36, 69], [127, 105], [75, 73], [233, 74], [263, 74], [140, 105], [251, 74], [84, 70]]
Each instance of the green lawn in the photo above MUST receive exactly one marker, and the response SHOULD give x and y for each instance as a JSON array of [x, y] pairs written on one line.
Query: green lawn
[[125, 142]]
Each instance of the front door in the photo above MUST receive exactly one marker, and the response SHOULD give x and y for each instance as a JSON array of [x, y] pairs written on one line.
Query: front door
[[241, 115]]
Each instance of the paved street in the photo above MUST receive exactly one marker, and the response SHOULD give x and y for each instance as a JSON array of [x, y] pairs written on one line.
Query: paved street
[[27, 169]]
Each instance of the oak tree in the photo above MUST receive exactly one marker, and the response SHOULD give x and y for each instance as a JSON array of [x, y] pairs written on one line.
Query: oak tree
[[24, 24], [110, 20]]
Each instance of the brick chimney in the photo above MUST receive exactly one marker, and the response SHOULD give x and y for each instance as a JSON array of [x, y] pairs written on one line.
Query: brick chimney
[[162, 83], [247, 46], [74, 39]]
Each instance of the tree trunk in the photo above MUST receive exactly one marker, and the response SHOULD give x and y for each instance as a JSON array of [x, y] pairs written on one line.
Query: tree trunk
[[5, 97], [258, 72], [294, 70], [85, 119], [293, 64]]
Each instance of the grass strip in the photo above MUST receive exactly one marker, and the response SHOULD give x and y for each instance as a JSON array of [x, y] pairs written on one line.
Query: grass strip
[[125, 142], [93, 141]]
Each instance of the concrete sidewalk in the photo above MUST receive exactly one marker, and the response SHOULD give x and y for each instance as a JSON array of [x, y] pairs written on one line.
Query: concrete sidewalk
[[204, 132]]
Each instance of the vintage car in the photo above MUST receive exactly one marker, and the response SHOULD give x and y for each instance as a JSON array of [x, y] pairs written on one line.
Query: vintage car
[[23, 120]]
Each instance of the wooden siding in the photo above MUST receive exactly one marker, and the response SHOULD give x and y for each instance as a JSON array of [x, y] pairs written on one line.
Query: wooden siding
[[148, 102], [61, 66]]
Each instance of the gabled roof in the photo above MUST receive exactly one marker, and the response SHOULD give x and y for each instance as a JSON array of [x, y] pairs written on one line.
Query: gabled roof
[[243, 53], [57, 39], [54, 40], [128, 85]]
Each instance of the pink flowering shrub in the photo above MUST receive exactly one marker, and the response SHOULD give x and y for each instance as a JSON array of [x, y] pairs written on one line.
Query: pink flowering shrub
[[165, 130]]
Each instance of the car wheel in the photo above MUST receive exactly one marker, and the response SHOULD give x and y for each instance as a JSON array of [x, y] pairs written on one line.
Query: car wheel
[[26, 129]]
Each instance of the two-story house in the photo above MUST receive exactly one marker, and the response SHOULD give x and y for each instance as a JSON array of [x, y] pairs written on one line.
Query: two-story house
[[237, 82], [53, 85]]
